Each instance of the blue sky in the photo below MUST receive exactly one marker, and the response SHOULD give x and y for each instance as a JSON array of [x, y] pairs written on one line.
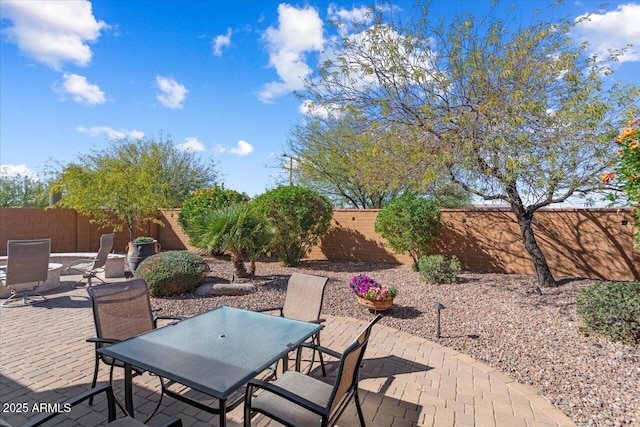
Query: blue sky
[[216, 76]]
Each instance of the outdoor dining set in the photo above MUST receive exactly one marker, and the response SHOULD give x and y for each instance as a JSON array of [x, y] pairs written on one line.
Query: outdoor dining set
[[225, 357]]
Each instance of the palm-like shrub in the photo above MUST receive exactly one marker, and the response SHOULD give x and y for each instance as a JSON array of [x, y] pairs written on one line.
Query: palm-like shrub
[[235, 229], [206, 200]]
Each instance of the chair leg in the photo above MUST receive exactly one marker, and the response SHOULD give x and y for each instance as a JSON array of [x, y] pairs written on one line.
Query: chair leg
[[324, 371], [247, 406], [114, 392], [356, 398], [159, 400], [95, 377], [12, 302]]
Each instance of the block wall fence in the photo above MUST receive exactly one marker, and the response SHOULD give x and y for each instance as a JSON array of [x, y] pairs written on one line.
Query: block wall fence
[[594, 243]]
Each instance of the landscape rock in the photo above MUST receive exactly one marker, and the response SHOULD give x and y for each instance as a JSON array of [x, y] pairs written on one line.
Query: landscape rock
[[229, 289]]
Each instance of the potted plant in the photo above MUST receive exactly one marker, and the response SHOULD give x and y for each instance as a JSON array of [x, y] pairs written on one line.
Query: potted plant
[[371, 294], [139, 249]]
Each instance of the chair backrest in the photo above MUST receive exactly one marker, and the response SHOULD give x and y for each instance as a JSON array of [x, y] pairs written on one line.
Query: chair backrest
[[349, 369], [106, 244], [27, 262], [304, 297], [121, 310]]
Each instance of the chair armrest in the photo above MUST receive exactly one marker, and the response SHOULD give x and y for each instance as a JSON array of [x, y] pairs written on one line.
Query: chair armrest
[[79, 262], [262, 310], [285, 394], [176, 318], [46, 416], [322, 349], [103, 340]]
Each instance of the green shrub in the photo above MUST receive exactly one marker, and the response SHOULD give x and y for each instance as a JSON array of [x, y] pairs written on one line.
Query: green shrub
[[611, 309], [298, 216], [409, 224], [207, 200], [235, 229], [172, 273], [438, 269], [143, 239]]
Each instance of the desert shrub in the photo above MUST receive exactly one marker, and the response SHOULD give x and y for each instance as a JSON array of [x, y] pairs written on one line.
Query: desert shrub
[[299, 217], [206, 200], [611, 309], [438, 269], [235, 229], [410, 224], [172, 273]]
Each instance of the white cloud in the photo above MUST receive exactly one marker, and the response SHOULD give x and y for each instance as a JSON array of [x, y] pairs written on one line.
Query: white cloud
[[242, 148], [300, 31], [360, 14], [52, 32], [12, 171], [310, 108], [172, 93], [611, 30], [191, 144], [110, 132], [220, 42], [80, 89]]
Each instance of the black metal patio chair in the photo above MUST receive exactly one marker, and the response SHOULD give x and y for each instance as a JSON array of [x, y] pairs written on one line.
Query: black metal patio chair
[[45, 417], [296, 399], [303, 301]]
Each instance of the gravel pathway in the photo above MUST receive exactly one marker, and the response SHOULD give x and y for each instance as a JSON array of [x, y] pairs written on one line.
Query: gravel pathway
[[498, 319]]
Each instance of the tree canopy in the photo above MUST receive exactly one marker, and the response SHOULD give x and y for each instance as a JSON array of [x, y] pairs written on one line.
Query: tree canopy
[[520, 114], [127, 182], [23, 191]]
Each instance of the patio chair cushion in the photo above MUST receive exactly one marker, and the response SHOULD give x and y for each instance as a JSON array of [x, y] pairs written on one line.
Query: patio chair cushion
[[302, 385]]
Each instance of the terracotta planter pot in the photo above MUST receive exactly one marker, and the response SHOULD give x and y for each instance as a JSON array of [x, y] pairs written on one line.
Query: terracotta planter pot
[[375, 305]]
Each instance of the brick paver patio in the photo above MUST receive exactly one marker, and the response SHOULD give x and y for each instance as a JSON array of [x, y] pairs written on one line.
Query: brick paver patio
[[405, 381]]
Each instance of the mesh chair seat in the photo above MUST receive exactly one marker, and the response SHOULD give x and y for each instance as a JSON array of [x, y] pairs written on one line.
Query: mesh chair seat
[[27, 268], [301, 385], [120, 311], [303, 301], [299, 400], [89, 268]]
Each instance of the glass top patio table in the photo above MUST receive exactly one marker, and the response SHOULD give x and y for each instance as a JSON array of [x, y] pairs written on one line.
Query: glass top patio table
[[215, 352]]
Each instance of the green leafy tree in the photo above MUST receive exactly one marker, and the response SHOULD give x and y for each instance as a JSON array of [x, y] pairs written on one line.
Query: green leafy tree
[[520, 113], [23, 191], [208, 199], [356, 162], [127, 182], [410, 224], [627, 172], [236, 229], [299, 217]]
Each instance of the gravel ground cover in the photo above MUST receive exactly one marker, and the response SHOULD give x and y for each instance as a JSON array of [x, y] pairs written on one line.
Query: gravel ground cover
[[498, 319]]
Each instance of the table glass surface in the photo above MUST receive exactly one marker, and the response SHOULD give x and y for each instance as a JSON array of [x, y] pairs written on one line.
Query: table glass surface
[[215, 352]]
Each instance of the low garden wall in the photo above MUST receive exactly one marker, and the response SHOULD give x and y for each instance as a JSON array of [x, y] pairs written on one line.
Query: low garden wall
[[595, 243]]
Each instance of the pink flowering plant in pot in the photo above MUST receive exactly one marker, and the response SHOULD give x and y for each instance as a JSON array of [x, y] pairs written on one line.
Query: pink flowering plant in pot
[[368, 288]]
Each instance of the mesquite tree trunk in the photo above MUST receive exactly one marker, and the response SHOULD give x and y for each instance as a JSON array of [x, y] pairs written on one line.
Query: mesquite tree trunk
[[543, 274]]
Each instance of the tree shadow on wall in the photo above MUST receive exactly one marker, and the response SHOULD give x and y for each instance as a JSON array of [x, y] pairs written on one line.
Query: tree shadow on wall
[[347, 244], [482, 246], [589, 242]]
